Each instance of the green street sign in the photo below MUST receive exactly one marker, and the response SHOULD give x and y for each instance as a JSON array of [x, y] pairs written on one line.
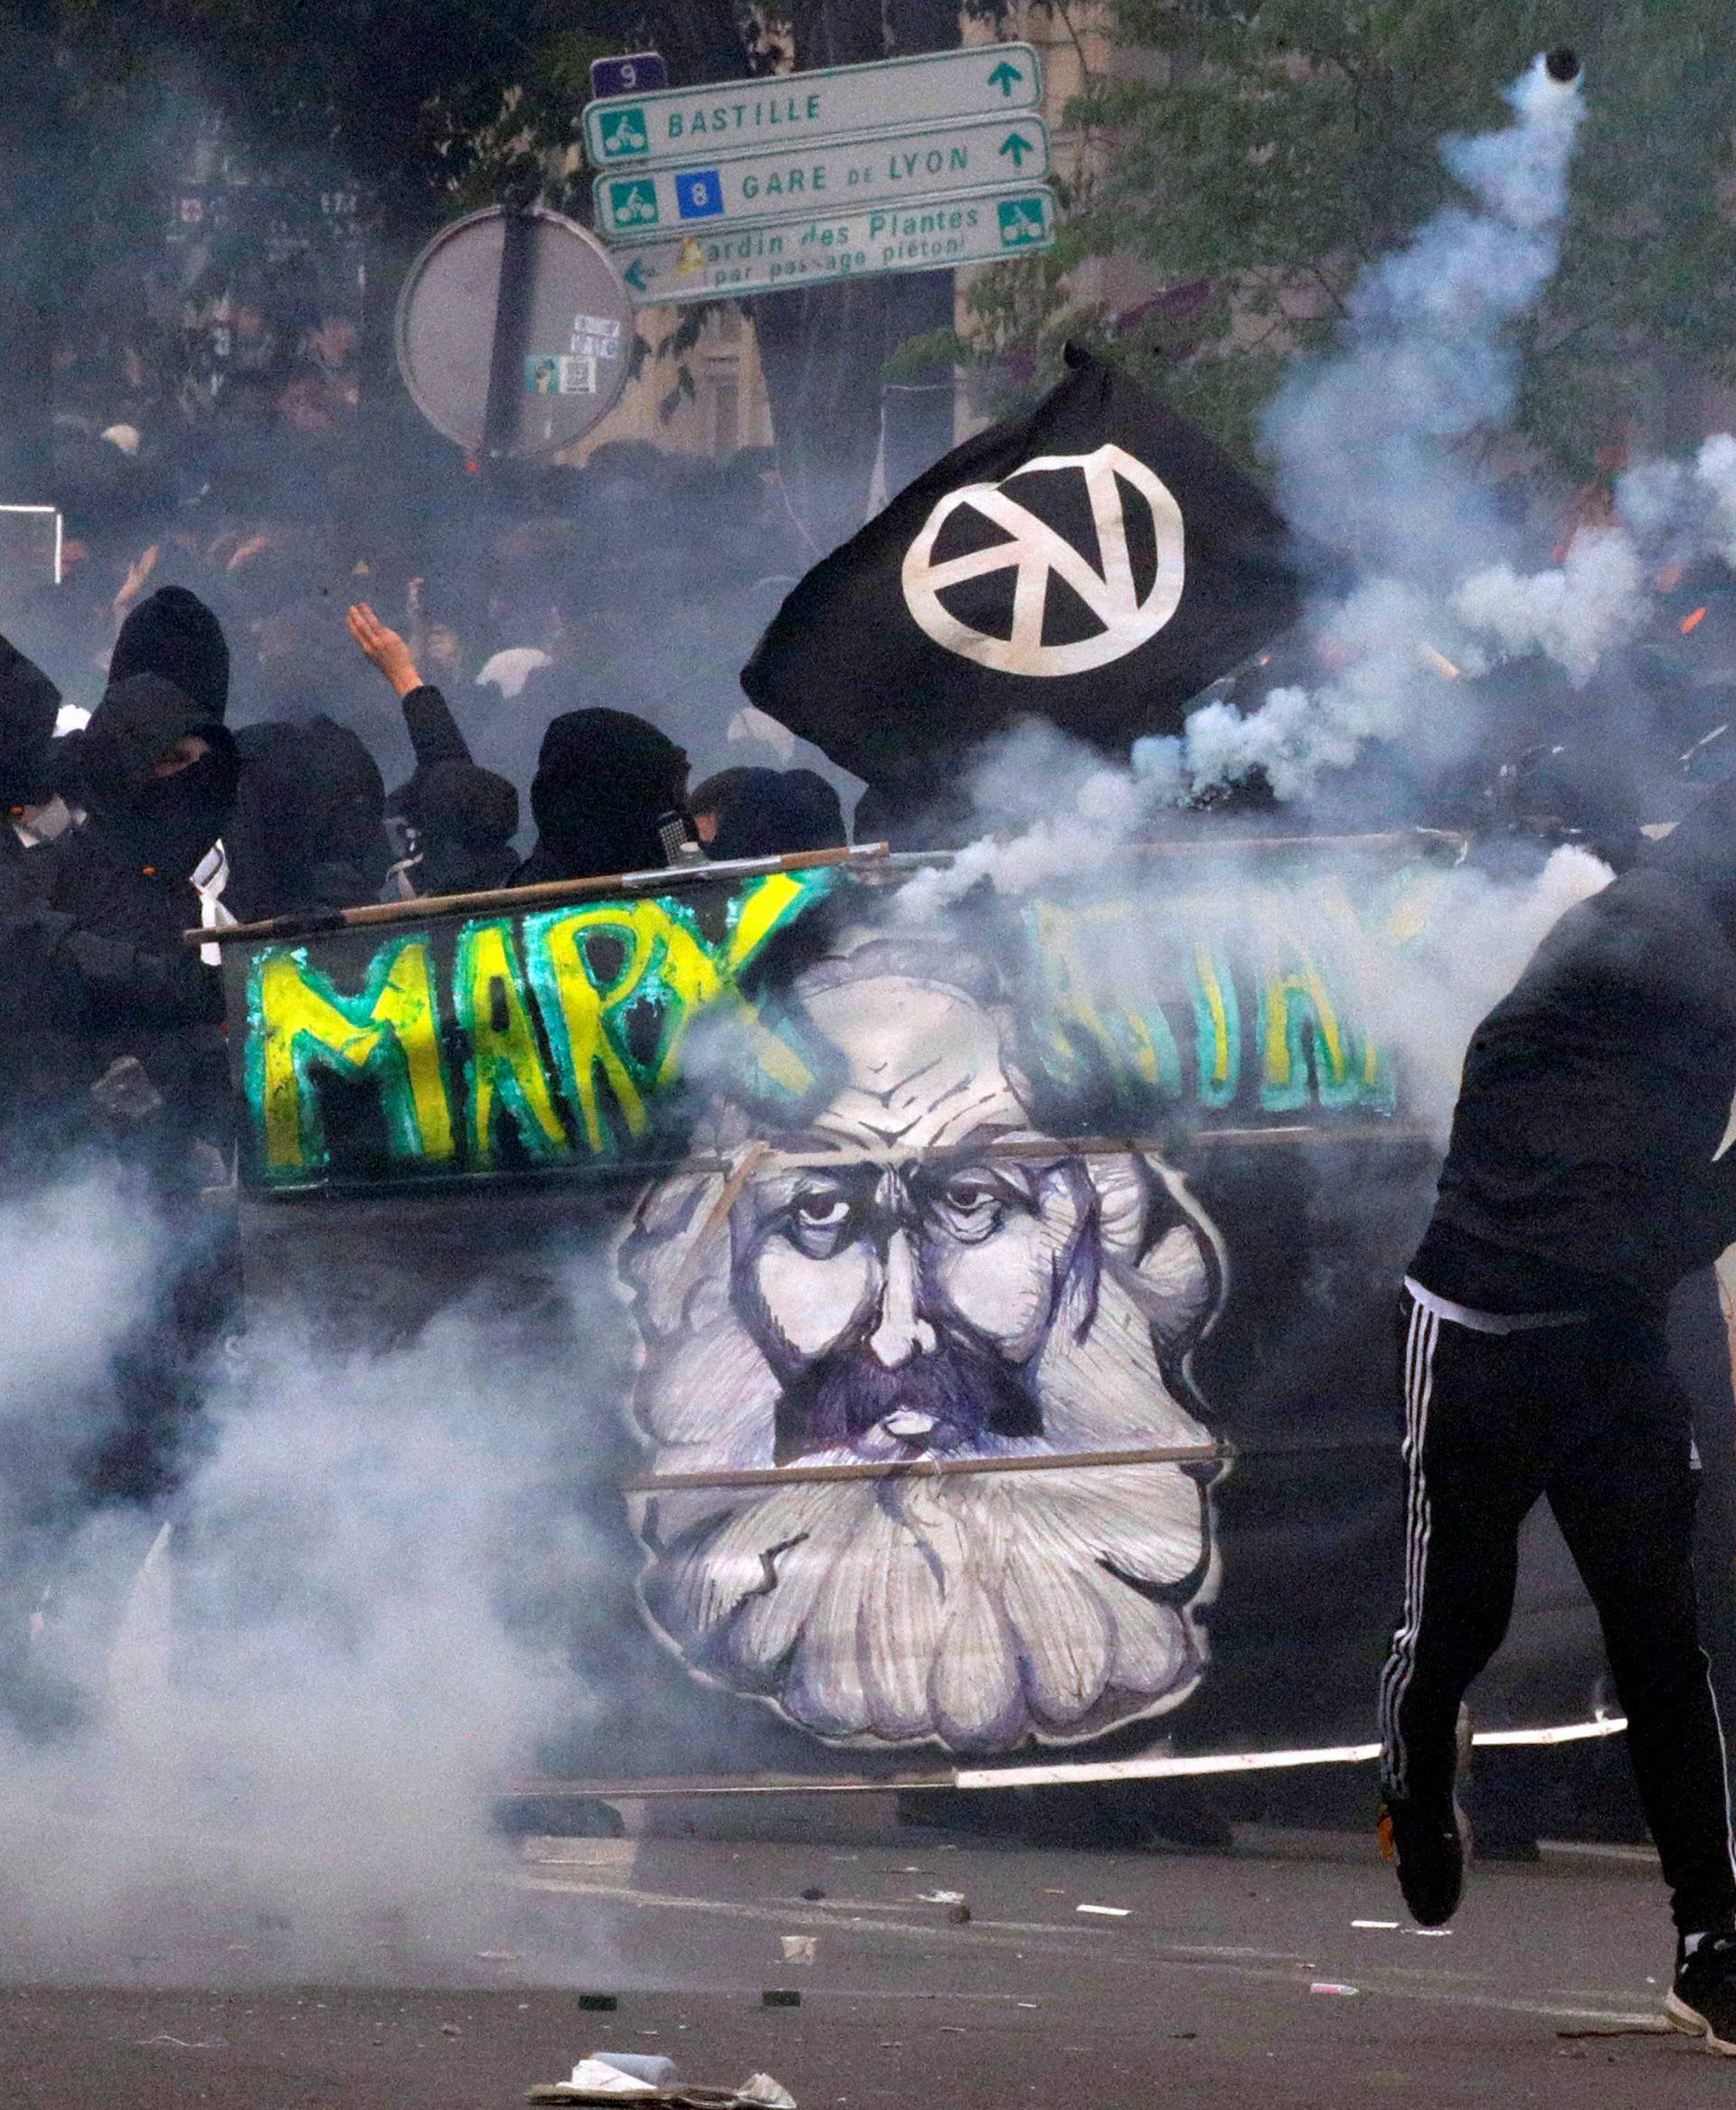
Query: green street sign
[[841, 177], [833, 102], [927, 234]]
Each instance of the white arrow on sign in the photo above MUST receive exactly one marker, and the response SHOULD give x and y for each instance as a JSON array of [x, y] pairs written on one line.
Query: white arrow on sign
[[932, 87], [824, 179], [930, 234]]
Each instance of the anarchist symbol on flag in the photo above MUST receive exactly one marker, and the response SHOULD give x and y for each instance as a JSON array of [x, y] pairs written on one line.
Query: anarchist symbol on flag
[[1126, 615], [1097, 563]]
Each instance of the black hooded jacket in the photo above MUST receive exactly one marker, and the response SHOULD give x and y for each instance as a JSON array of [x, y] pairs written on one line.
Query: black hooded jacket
[[310, 825], [29, 706], [127, 873], [604, 780], [1596, 1094], [175, 635], [779, 812], [90, 946]]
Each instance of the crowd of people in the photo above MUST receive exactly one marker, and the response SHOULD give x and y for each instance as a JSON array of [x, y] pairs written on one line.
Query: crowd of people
[[155, 818]]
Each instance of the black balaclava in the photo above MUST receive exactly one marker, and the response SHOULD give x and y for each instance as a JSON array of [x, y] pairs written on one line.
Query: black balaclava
[[603, 778], [778, 813], [467, 818], [29, 705], [316, 806], [173, 634], [165, 823]]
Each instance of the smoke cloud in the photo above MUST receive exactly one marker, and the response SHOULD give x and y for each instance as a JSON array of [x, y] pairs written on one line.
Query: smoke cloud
[[259, 1727]]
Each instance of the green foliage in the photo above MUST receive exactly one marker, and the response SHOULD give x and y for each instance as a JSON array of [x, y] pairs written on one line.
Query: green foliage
[[1274, 150]]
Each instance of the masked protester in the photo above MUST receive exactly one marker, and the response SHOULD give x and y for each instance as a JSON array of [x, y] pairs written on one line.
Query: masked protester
[[1582, 1183], [175, 635], [465, 820], [156, 774], [29, 704], [310, 823], [605, 785], [778, 813]]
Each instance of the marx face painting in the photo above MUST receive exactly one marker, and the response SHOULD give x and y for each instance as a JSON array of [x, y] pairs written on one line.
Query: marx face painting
[[924, 1460]]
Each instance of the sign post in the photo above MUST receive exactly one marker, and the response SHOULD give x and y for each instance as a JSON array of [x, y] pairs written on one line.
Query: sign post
[[773, 255], [800, 110], [839, 176]]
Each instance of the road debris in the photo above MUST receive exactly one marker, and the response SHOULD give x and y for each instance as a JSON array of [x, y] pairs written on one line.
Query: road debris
[[610, 2077], [1106, 1911], [1331, 1986], [598, 2003], [1380, 1925], [799, 1948], [780, 1997]]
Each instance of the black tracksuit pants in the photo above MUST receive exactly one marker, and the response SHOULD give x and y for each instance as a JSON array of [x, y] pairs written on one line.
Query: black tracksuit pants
[[1590, 1416]]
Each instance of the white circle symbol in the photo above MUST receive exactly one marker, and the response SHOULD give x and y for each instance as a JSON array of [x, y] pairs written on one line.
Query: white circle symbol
[[1035, 551]]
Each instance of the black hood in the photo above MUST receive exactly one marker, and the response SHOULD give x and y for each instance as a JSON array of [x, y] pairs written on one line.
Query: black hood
[[173, 634], [167, 821], [315, 802], [777, 813], [603, 778], [456, 802], [29, 705]]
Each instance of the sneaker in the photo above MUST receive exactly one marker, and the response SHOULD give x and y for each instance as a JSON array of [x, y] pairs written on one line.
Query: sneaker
[[1427, 1840], [1702, 2001]]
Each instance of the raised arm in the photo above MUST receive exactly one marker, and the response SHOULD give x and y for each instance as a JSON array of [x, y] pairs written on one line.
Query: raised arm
[[433, 730]]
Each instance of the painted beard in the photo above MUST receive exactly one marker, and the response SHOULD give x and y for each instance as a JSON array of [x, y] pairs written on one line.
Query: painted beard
[[976, 1608]]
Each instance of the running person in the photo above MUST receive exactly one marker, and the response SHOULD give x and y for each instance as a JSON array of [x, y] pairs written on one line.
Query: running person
[[1580, 1187]]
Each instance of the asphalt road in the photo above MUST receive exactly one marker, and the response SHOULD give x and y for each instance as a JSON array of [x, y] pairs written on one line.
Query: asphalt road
[[1212, 1990]]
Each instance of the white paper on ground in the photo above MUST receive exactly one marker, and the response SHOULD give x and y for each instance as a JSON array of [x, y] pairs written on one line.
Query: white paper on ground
[[762, 2088], [595, 2077]]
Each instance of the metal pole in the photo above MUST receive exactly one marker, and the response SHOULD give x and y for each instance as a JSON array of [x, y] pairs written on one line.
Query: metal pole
[[512, 334]]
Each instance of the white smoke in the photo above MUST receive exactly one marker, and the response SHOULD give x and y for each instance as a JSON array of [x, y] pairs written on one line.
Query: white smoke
[[266, 1718], [1367, 442], [1572, 613], [1364, 437]]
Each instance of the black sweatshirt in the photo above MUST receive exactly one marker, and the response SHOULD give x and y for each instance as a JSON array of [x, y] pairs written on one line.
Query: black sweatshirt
[[1596, 1094]]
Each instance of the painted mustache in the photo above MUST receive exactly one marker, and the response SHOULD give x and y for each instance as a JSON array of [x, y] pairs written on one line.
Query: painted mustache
[[954, 1398]]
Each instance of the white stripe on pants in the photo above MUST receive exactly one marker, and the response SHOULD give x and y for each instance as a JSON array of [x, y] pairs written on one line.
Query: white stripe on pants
[[1421, 1337]]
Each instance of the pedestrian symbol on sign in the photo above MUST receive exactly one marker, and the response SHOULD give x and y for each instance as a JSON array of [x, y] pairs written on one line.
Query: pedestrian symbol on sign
[[1021, 221], [623, 133], [699, 194], [634, 205]]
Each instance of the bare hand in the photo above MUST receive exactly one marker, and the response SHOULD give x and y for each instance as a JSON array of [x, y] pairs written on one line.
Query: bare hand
[[385, 648], [139, 575]]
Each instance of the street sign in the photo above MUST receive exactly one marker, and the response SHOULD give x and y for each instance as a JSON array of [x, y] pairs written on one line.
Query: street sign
[[632, 73], [883, 167], [989, 227], [515, 332], [781, 109]]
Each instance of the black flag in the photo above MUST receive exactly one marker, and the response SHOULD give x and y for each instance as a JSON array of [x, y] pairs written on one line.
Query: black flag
[[1097, 563]]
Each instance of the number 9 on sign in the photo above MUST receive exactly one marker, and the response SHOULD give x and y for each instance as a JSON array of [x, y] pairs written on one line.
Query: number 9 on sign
[[633, 73]]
